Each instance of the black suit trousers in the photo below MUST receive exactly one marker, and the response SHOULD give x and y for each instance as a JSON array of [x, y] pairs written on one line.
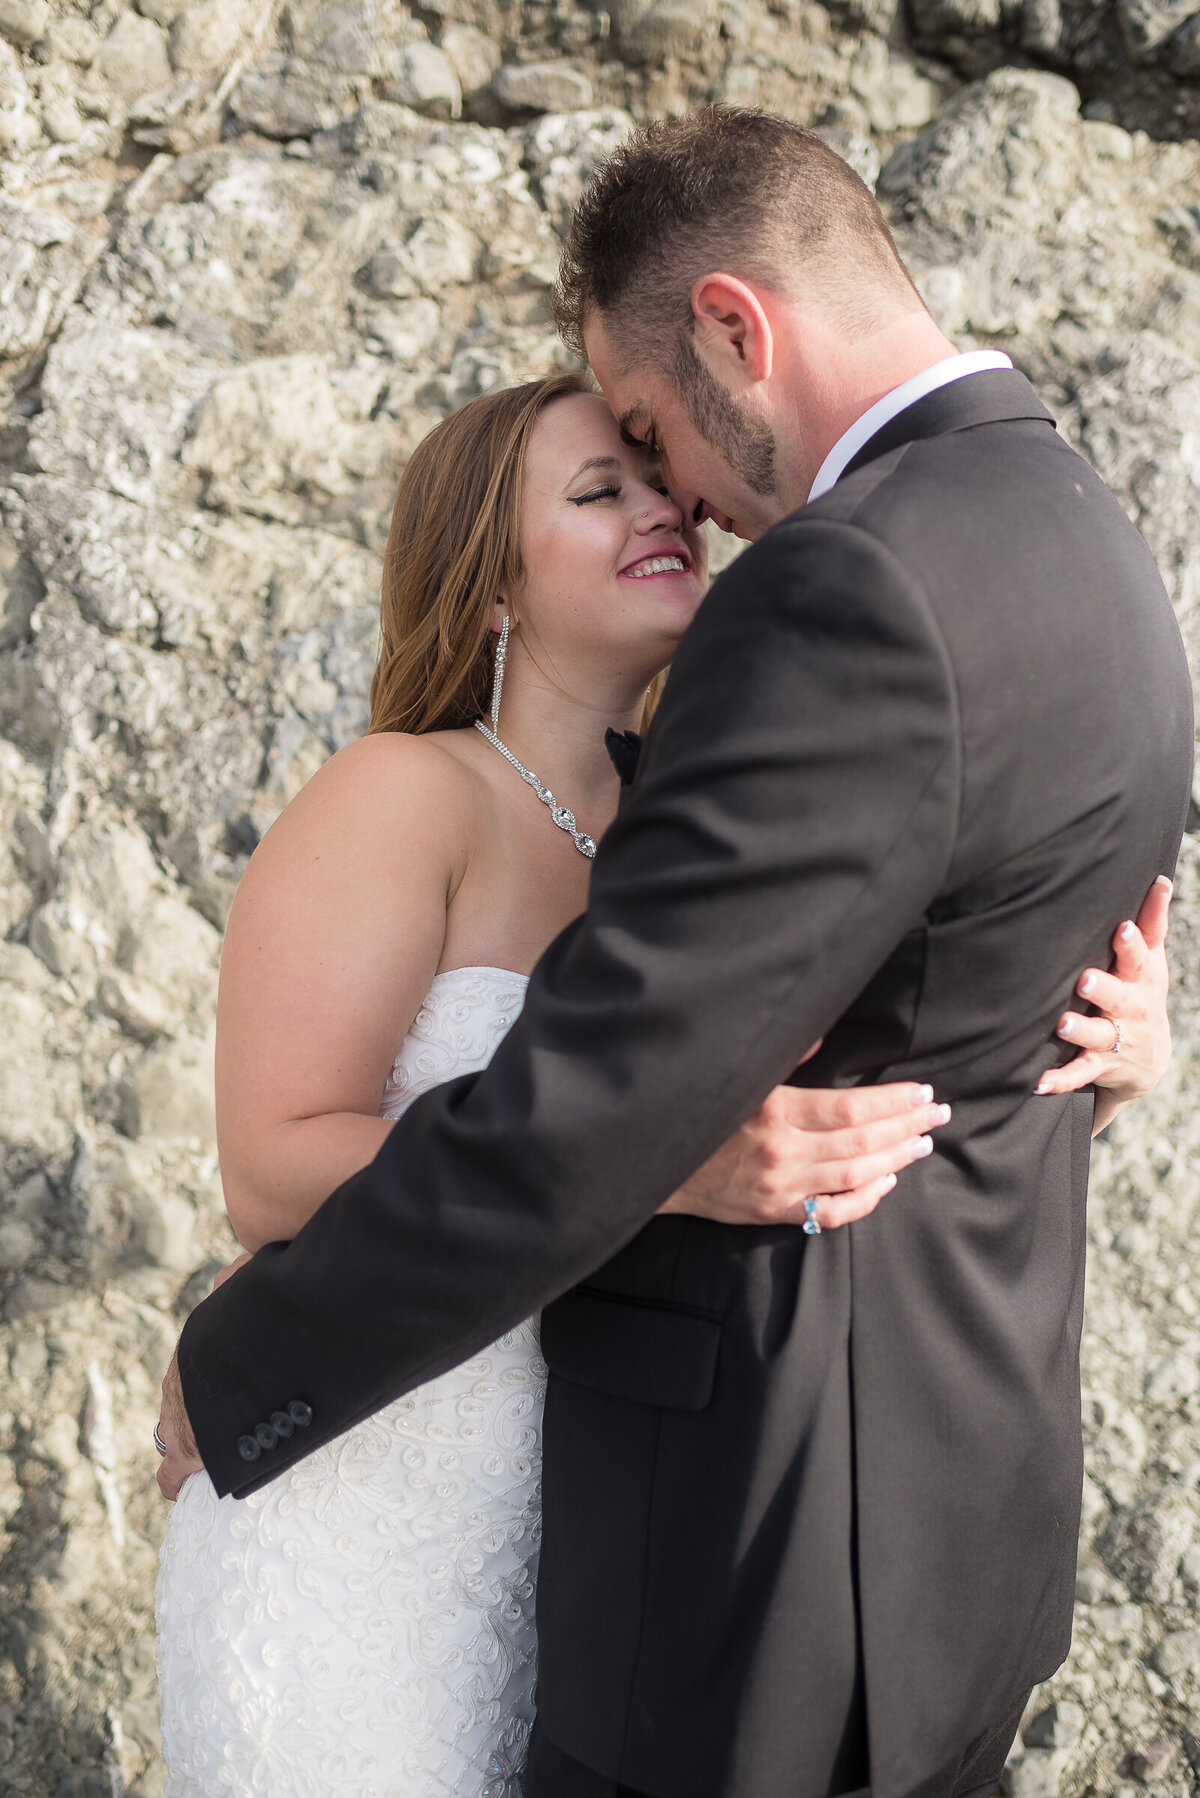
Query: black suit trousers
[[552, 1774]]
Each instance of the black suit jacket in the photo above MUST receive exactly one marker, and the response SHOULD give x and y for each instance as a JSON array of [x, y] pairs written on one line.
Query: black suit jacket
[[926, 744]]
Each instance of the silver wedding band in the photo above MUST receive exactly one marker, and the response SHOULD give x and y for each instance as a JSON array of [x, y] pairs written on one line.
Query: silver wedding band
[[810, 1226], [1116, 1041], [159, 1444]]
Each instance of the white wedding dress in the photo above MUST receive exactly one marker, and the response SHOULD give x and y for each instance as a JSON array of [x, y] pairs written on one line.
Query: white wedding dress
[[363, 1625]]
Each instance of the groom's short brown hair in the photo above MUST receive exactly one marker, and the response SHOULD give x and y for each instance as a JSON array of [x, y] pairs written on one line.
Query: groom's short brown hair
[[727, 189]]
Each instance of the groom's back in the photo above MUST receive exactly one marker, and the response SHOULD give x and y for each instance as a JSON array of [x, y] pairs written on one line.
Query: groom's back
[[1072, 695], [851, 1467]]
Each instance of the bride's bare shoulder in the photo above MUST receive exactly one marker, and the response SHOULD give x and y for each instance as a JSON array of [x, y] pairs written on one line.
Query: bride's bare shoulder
[[388, 789], [391, 767]]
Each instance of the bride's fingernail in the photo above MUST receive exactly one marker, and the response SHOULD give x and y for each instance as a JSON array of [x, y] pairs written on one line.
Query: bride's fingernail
[[922, 1095], [889, 1183], [1125, 934], [1086, 984], [1043, 1086], [1066, 1026], [1163, 881], [922, 1146], [941, 1115]]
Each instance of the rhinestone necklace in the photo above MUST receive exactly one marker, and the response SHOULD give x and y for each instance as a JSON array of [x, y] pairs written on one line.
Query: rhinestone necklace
[[563, 817]]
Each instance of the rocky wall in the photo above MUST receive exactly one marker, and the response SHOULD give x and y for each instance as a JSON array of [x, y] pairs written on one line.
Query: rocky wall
[[249, 253]]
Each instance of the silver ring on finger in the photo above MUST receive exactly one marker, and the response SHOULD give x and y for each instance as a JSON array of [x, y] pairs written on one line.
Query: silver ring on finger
[[1116, 1041], [159, 1444], [811, 1225]]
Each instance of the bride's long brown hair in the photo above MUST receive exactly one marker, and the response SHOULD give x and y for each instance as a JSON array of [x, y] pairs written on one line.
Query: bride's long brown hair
[[452, 549]]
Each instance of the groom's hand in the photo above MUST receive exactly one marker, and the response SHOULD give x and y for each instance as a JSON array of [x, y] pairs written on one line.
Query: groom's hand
[[181, 1458], [842, 1148]]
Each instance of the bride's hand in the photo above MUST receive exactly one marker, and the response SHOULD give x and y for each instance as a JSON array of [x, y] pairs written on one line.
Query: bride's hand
[[1134, 997], [842, 1148]]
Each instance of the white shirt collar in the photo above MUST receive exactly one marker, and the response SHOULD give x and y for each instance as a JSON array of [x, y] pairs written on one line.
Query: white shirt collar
[[875, 417]]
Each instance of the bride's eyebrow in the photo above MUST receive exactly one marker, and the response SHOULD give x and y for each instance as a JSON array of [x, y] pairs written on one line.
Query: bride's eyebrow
[[605, 462]]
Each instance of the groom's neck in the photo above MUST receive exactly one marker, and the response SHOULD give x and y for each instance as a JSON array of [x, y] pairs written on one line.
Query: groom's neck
[[832, 379]]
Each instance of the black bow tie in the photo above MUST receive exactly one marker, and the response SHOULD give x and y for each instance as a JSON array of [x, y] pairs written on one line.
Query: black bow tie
[[624, 747]]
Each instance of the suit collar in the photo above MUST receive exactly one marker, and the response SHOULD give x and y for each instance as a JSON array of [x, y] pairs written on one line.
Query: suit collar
[[991, 396], [890, 405]]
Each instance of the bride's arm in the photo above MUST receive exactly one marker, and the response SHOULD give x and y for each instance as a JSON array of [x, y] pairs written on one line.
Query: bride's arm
[[333, 938]]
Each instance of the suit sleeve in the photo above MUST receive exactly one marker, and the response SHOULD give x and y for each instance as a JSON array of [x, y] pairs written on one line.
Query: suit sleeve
[[793, 817]]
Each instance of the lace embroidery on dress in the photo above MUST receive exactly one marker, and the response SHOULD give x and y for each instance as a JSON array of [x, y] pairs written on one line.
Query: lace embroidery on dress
[[364, 1624]]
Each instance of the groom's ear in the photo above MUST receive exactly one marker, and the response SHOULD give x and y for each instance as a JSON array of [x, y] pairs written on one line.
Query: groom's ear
[[731, 329]]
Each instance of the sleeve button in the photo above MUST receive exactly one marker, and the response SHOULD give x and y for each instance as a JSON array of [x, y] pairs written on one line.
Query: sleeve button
[[266, 1437], [300, 1413], [282, 1424], [248, 1448]]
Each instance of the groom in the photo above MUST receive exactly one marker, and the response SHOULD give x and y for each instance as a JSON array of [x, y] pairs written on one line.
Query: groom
[[811, 1504]]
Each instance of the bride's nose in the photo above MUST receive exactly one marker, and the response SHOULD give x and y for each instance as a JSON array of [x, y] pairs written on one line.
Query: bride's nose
[[663, 513]]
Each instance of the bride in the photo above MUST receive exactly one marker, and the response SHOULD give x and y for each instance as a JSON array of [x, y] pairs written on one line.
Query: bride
[[364, 1624]]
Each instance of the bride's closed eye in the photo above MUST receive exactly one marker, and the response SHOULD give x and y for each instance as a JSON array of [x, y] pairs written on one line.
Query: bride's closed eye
[[584, 499], [652, 478]]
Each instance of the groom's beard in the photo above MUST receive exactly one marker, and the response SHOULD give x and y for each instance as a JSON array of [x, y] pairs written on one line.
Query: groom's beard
[[732, 429]]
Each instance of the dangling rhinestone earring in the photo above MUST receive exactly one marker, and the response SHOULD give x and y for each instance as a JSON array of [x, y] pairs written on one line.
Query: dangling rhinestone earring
[[563, 816], [498, 677]]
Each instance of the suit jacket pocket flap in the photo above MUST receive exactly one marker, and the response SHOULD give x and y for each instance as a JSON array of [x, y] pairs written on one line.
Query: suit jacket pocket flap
[[632, 1349]]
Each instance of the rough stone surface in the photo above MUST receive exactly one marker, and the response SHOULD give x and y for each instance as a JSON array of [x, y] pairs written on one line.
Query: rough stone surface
[[474, 56], [249, 253], [542, 87], [425, 78], [24, 22]]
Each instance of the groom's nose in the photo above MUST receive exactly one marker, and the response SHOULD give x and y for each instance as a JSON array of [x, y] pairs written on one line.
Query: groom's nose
[[691, 506], [690, 503], [695, 510]]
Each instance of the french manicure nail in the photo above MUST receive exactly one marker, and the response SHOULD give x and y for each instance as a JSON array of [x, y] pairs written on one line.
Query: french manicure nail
[[1043, 1086], [889, 1183], [1086, 984], [1067, 1026], [1163, 881], [922, 1095], [941, 1115], [1125, 934], [922, 1146]]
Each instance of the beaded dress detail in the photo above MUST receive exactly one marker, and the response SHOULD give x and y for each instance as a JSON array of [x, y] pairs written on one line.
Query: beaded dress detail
[[363, 1627]]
